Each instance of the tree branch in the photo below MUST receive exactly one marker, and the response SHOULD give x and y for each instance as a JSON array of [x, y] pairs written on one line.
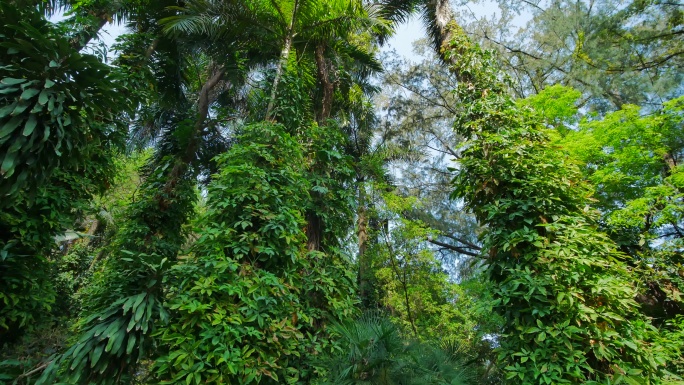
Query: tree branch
[[454, 248]]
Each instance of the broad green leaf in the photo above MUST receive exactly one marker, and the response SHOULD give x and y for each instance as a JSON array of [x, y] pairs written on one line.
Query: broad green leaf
[[7, 110], [8, 163], [29, 93], [12, 81], [10, 126], [131, 343], [96, 354], [30, 125]]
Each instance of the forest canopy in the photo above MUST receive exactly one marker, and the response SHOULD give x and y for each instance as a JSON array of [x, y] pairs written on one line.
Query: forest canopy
[[251, 191]]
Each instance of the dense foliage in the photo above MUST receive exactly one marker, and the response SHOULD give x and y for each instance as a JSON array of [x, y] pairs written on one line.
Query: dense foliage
[[56, 102], [251, 303], [247, 194], [562, 286]]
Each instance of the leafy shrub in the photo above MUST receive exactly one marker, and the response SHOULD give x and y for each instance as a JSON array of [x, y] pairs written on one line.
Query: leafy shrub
[[372, 351]]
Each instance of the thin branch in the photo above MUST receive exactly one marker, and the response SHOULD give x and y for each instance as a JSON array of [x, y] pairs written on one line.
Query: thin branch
[[463, 241], [533, 5], [34, 371], [403, 282], [454, 248], [433, 102]]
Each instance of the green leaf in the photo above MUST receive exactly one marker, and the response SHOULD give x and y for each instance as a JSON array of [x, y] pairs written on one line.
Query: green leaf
[[8, 90], [10, 126], [112, 340], [541, 337], [138, 300], [43, 97], [8, 163], [139, 313], [6, 110], [131, 343], [29, 93], [30, 125], [21, 107], [96, 354], [117, 346], [12, 81]]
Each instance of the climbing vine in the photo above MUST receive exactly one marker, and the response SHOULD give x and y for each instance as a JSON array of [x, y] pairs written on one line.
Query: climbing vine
[[250, 303], [562, 287]]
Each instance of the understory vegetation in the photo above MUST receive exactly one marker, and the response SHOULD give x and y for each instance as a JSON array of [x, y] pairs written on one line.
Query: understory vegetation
[[255, 191]]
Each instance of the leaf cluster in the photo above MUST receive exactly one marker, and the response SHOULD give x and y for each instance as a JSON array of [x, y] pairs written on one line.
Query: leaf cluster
[[56, 103], [250, 303]]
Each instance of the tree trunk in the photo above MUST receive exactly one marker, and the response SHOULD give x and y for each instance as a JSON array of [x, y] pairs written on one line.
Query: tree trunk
[[315, 225], [203, 103], [439, 16], [328, 87], [284, 57], [365, 265], [314, 231]]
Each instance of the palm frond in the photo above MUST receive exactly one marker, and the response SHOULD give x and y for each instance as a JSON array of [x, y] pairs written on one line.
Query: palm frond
[[435, 15], [375, 352], [395, 12]]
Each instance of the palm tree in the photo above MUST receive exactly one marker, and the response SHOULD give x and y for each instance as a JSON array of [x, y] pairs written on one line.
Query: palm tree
[[374, 352], [436, 16], [124, 306]]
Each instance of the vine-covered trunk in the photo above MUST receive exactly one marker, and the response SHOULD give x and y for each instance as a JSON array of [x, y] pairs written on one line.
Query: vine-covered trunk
[[250, 301], [314, 231], [561, 286], [327, 86], [127, 300]]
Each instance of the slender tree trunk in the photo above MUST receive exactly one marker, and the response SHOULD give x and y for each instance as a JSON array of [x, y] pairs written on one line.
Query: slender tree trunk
[[203, 103], [328, 87], [365, 266], [315, 225], [402, 277], [82, 39], [440, 15], [314, 231], [284, 57]]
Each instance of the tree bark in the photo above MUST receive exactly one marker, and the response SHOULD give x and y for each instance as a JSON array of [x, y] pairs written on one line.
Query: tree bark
[[314, 231], [365, 265], [328, 87], [203, 103], [284, 57], [440, 16]]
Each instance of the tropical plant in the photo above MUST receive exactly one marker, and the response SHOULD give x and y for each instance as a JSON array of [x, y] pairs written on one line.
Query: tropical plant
[[374, 352], [555, 274], [57, 103], [61, 124], [251, 303]]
